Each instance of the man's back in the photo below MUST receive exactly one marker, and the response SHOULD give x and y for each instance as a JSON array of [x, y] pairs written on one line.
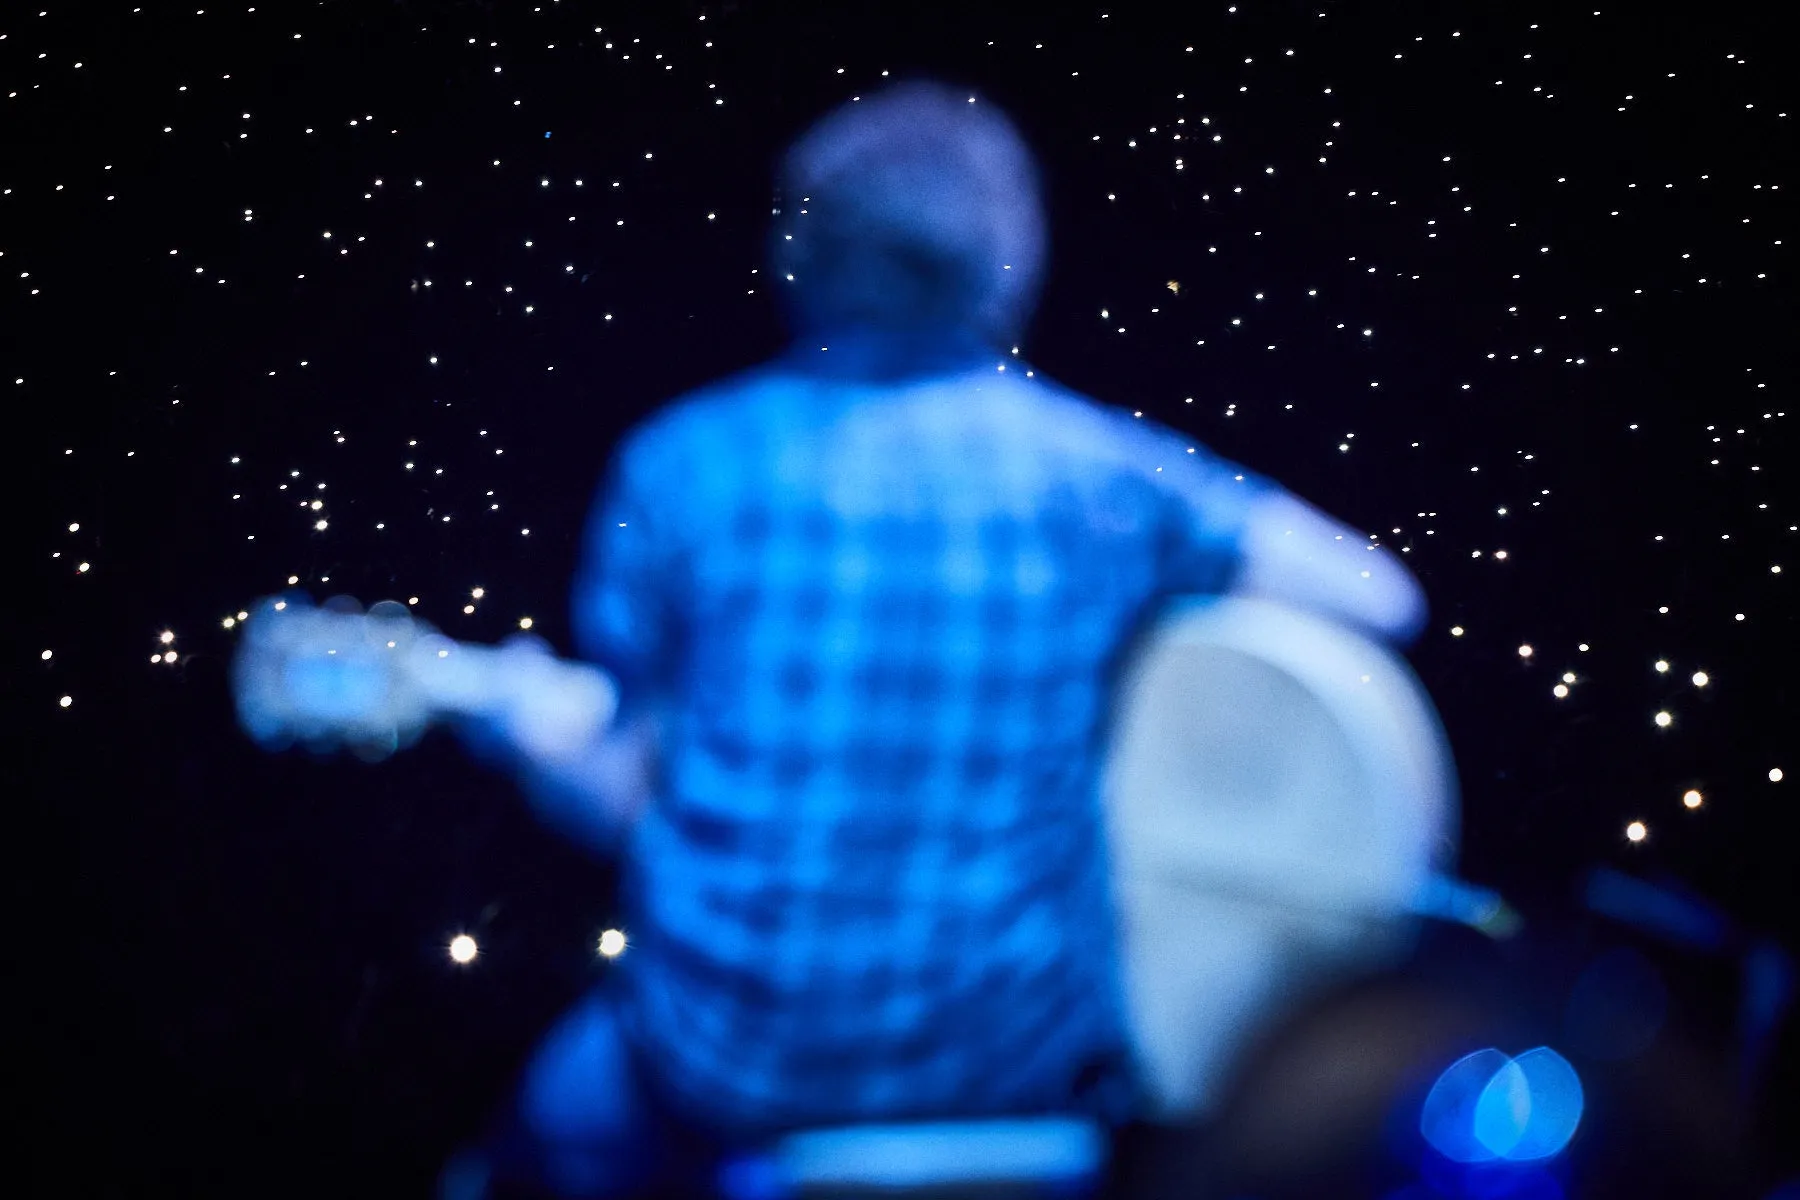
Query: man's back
[[881, 613], [868, 603]]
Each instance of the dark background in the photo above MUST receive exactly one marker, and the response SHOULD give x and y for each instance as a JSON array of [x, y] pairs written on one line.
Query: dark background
[[225, 958]]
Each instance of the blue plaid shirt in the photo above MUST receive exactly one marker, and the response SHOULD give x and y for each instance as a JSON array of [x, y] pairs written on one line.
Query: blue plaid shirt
[[879, 610]]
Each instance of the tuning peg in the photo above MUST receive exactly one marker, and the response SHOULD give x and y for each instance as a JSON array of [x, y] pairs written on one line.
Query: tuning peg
[[374, 750], [524, 640], [398, 620], [263, 610]]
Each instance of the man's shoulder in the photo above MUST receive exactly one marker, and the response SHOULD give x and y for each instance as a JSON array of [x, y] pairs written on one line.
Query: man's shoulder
[[699, 415], [1100, 431]]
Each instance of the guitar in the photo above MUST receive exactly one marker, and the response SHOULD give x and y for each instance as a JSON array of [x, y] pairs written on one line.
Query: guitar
[[334, 677], [1283, 812], [1280, 795]]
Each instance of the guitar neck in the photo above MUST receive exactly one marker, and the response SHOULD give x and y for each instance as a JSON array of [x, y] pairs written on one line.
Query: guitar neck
[[556, 706], [457, 679], [339, 676]]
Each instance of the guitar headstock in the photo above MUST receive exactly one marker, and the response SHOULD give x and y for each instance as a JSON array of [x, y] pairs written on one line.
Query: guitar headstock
[[332, 676]]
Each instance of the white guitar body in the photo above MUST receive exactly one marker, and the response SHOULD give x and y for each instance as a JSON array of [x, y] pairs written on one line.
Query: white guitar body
[[1283, 808]]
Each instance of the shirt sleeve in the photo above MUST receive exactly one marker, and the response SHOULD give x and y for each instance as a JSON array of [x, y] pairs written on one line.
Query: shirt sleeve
[[1207, 503], [626, 615]]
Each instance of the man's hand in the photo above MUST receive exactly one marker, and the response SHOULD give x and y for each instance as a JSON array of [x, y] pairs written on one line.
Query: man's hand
[[553, 711], [1296, 554], [552, 723]]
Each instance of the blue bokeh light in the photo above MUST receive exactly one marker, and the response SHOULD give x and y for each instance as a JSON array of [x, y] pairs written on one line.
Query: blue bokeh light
[[1448, 1118], [1554, 1107], [1617, 1007], [1489, 1107], [1503, 1111]]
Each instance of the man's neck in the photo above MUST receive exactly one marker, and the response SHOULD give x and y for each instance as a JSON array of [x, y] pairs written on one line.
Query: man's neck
[[885, 355]]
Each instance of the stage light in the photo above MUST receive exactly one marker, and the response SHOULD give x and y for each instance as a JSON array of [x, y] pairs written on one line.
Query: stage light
[[1554, 1105], [1487, 1107]]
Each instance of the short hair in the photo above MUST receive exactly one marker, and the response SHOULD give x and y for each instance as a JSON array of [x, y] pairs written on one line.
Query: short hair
[[917, 206]]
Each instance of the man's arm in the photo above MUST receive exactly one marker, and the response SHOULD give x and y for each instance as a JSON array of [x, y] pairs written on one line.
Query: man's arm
[[554, 725], [1296, 554], [593, 796]]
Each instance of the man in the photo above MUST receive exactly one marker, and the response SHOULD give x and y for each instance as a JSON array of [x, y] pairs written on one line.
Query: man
[[863, 605]]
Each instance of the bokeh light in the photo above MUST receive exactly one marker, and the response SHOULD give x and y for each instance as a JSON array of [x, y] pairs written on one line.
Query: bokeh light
[[1616, 1008], [1488, 1107]]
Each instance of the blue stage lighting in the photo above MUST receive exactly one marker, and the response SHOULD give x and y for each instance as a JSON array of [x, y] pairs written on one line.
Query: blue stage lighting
[[1555, 1105], [1487, 1107], [1448, 1119]]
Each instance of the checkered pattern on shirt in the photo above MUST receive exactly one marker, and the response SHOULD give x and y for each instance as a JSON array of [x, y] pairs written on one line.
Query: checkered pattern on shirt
[[881, 624]]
